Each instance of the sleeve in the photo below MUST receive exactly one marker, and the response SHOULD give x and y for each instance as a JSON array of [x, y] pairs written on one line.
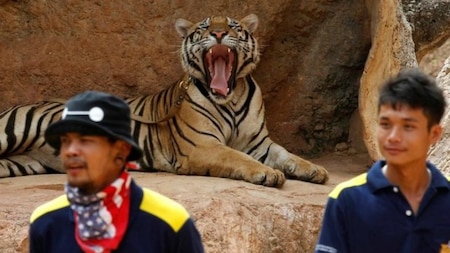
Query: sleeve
[[189, 239], [333, 235]]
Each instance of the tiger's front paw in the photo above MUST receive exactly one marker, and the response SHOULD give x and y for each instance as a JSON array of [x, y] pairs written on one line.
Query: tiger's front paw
[[270, 177], [317, 174], [306, 171]]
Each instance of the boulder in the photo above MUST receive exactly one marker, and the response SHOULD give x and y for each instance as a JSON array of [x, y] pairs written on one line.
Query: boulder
[[392, 49], [232, 216], [396, 44], [321, 61], [440, 153], [315, 58]]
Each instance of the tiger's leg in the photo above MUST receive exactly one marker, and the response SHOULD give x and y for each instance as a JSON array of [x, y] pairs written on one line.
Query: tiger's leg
[[21, 165], [223, 161], [294, 166]]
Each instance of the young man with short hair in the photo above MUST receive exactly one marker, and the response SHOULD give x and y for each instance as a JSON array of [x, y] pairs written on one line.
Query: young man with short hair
[[402, 204]]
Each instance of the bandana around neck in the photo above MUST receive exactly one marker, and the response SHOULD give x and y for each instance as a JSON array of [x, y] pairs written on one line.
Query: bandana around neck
[[101, 219]]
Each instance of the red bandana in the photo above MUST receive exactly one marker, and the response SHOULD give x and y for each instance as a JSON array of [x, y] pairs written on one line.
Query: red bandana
[[101, 219]]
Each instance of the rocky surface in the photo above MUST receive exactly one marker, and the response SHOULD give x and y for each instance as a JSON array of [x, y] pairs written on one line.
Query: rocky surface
[[232, 216], [321, 64], [429, 22], [313, 54], [393, 48], [440, 153]]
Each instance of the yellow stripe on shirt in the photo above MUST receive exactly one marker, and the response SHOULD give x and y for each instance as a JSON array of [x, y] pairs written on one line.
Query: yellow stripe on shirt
[[164, 208], [55, 204], [356, 181]]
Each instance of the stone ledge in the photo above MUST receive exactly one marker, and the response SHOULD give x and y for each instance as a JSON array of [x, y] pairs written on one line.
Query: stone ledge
[[232, 216]]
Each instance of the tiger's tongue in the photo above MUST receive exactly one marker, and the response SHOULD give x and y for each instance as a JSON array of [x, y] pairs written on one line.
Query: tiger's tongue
[[219, 81]]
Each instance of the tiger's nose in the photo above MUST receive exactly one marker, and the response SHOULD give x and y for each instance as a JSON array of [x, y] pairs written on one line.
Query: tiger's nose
[[219, 34]]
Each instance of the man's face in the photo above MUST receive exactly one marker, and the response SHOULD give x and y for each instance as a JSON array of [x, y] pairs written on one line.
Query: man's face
[[403, 135], [91, 161]]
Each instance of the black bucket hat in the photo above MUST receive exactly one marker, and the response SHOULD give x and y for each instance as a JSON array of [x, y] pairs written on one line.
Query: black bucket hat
[[95, 113]]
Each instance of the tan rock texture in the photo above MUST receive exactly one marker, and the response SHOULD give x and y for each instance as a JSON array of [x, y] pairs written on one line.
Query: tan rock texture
[[321, 60], [313, 54], [440, 153], [232, 216], [392, 49], [396, 44]]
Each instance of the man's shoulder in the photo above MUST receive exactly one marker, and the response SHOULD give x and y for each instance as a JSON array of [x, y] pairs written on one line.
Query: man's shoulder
[[52, 205], [351, 183], [166, 209]]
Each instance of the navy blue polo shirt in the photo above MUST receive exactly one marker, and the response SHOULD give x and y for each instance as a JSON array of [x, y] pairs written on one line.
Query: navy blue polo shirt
[[368, 214], [156, 224]]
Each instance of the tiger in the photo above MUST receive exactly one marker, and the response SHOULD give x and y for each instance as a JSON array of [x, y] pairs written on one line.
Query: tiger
[[209, 123]]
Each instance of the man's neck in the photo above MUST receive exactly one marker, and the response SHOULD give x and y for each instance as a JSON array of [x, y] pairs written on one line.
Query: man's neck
[[413, 182]]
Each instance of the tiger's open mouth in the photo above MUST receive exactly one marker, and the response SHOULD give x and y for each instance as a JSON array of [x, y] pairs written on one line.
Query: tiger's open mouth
[[220, 61]]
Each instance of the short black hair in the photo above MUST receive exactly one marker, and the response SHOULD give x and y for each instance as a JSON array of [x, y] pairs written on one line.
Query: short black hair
[[417, 90]]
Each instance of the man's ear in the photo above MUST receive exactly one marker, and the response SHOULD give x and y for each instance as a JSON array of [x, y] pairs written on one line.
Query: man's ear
[[435, 133], [124, 148]]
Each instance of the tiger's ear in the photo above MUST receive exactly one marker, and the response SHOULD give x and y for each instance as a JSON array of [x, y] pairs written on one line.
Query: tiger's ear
[[182, 26], [251, 22]]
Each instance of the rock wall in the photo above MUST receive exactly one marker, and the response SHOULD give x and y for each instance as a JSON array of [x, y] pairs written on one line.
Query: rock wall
[[313, 54], [396, 44], [440, 153], [392, 49], [232, 216], [318, 57]]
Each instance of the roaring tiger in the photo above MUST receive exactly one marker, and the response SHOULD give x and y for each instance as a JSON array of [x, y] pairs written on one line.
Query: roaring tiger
[[209, 123]]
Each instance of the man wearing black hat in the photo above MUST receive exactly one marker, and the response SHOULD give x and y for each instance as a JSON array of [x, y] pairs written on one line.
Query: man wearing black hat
[[103, 209]]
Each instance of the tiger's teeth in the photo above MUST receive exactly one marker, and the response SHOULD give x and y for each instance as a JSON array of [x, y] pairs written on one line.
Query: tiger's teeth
[[210, 51], [229, 50], [214, 92]]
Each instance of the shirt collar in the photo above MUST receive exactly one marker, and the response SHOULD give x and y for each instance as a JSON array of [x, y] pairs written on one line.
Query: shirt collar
[[438, 180], [375, 178], [377, 181]]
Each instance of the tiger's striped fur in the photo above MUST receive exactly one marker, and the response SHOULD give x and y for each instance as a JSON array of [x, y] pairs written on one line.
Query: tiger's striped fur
[[23, 150], [216, 125]]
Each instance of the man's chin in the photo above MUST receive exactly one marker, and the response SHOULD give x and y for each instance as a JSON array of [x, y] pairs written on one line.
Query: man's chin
[[394, 156], [397, 160], [78, 183]]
